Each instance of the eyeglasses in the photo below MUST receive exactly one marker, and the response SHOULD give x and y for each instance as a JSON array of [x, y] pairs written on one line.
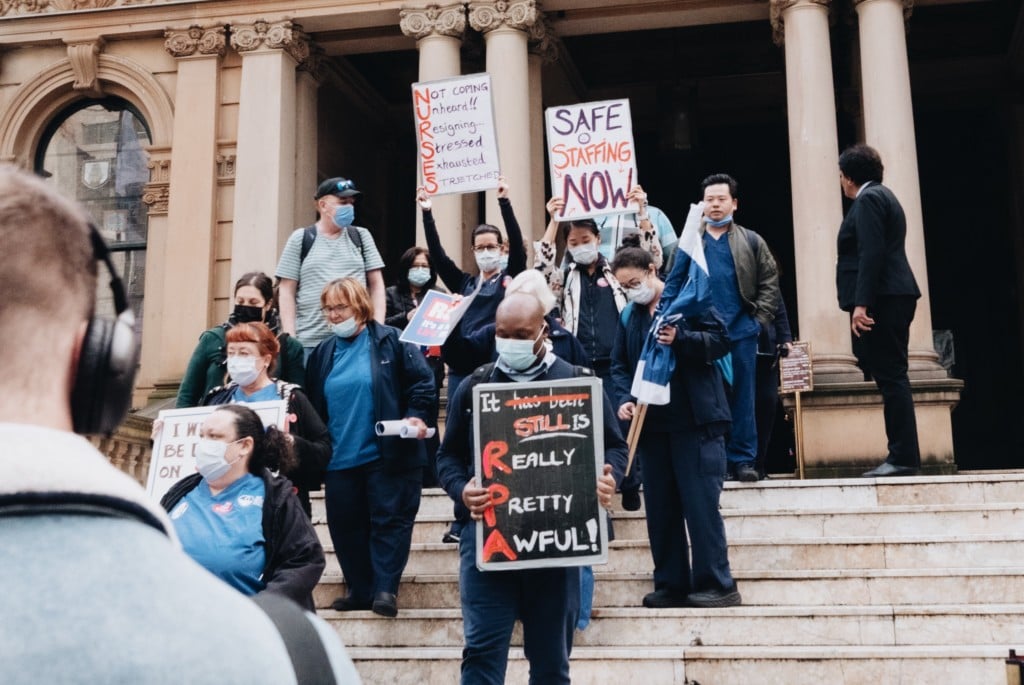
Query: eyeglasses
[[486, 248], [335, 309]]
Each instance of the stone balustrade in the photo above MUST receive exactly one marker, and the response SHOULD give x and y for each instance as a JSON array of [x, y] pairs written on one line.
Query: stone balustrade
[[129, 447]]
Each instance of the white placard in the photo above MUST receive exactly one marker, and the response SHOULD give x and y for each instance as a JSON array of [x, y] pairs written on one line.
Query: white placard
[[592, 157], [174, 448], [455, 135]]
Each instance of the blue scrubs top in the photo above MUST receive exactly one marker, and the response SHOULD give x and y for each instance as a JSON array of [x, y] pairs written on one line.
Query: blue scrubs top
[[349, 393]]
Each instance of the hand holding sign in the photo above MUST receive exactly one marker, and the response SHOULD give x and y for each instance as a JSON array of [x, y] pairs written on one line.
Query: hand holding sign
[[423, 199], [555, 206], [476, 499], [502, 188]]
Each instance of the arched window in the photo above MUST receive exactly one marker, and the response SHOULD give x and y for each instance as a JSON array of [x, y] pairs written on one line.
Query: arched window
[[94, 152]]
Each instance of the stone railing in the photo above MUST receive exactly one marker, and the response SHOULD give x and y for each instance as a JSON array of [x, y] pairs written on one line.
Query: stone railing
[[128, 448]]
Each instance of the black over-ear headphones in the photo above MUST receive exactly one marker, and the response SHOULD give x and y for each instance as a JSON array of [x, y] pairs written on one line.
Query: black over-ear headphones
[[110, 356]]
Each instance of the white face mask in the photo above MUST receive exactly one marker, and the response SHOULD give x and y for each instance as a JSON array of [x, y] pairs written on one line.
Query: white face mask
[[642, 294], [584, 255], [419, 275], [210, 460], [346, 328], [488, 260], [243, 370], [518, 354]]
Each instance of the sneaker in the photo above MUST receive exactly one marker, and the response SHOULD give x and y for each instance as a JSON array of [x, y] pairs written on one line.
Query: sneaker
[[664, 599], [450, 537], [746, 473], [714, 599], [631, 499]]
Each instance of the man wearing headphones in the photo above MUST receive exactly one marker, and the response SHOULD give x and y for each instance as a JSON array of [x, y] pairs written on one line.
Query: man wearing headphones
[[95, 585]]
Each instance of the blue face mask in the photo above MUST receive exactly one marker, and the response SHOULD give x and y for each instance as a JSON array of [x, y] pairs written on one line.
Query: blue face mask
[[344, 215], [345, 329], [419, 275], [518, 354], [725, 221]]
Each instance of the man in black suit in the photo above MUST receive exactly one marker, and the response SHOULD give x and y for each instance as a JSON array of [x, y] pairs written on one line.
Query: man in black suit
[[875, 284]]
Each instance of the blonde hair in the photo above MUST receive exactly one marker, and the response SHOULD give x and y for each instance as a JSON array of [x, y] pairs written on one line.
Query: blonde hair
[[353, 293], [532, 282]]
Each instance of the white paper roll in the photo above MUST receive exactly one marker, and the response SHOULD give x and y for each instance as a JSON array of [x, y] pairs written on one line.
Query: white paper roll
[[400, 428]]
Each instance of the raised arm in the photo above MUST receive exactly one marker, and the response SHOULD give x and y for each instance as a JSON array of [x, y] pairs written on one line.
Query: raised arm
[[451, 275], [516, 250]]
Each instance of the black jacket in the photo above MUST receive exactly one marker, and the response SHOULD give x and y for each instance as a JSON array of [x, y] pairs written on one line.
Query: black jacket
[[312, 439], [295, 559], [455, 457], [403, 386], [399, 302], [697, 389], [871, 249]]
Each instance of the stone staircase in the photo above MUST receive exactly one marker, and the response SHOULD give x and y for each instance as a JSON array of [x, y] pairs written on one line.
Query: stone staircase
[[914, 580]]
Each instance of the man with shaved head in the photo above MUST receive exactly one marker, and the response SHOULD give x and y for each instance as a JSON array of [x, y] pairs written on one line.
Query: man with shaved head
[[546, 600]]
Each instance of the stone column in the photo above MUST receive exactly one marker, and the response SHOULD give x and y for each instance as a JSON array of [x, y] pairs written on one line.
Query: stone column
[[307, 81], [185, 291], [889, 127], [265, 183], [438, 31], [803, 26], [542, 50], [505, 24]]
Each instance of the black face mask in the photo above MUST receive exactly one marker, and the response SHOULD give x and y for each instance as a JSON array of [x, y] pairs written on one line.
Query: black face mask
[[244, 314]]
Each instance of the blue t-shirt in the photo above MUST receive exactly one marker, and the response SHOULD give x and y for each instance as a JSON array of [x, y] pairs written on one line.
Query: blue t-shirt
[[725, 289], [349, 393], [224, 532], [264, 394]]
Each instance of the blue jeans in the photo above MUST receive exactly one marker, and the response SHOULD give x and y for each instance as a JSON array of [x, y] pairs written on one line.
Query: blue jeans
[[370, 514], [546, 601], [683, 475], [742, 445]]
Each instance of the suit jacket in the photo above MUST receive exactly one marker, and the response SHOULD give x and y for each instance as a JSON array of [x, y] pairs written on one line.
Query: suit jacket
[[872, 254]]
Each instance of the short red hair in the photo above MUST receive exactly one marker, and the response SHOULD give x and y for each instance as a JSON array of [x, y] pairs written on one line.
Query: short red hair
[[265, 340]]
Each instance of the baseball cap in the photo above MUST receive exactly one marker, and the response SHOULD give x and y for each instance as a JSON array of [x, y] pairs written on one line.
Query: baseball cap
[[341, 187]]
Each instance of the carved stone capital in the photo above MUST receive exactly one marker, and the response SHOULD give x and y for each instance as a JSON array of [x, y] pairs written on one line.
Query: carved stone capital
[[314, 64], [211, 40], [908, 7], [777, 12], [85, 63], [279, 35], [225, 167], [488, 15], [157, 193], [543, 41], [441, 20]]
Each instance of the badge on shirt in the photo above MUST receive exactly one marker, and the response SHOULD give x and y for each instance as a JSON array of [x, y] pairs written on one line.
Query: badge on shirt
[[179, 511], [250, 501], [224, 508], [601, 282]]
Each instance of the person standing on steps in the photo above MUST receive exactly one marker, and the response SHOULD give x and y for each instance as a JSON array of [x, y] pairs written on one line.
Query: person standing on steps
[[745, 290], [875, 284]]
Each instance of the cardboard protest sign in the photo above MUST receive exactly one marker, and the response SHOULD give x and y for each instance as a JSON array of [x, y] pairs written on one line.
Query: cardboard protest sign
[[592, 157], [455, 134], [174, 448], [435, 318], [539, 450]]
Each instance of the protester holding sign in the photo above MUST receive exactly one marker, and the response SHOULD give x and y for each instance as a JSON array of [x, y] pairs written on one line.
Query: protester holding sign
[[545, 600], [489, 284], [363, 374], [251, 356], [254, 302], [237, 519], [681, 443]]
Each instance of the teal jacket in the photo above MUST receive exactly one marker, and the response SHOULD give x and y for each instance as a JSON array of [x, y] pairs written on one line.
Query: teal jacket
[[206, 369]]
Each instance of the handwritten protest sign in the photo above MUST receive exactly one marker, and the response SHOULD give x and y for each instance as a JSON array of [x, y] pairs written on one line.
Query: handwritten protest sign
[[539, 449], [592, 157], [174, 448], [435, 318], [458, 151]]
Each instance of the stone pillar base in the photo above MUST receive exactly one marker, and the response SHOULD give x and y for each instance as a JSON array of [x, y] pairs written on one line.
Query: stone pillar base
[[844, 432], [165, 388]]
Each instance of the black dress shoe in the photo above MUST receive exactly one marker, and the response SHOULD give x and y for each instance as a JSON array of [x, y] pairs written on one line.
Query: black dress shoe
[[886, 469], [351, 604], [746, 473], [713, 599], [385, 604], [664, 599]]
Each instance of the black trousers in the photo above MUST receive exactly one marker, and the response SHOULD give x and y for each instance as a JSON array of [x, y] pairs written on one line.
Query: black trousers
[[882, 355]]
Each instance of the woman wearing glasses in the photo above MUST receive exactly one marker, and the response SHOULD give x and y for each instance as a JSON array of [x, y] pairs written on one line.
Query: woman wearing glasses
[[363, 374]]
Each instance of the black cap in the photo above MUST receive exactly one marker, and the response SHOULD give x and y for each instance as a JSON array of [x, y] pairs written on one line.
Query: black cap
[[338, 186]]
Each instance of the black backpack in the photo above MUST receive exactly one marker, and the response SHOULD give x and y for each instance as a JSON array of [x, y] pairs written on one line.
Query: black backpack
[[309, 235]]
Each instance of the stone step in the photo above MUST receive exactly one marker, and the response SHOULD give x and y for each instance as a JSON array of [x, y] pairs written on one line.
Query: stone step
[[865, 552], [738, 626], [869, 587], [916, 519], [785, 494], [688, 665]]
